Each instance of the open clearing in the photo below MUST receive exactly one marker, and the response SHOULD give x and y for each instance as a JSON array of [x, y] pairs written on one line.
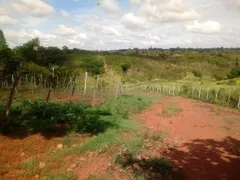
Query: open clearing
[[202, 140]]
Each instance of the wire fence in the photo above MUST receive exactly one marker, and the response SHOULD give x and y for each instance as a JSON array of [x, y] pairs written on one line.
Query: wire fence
[[225, 96]]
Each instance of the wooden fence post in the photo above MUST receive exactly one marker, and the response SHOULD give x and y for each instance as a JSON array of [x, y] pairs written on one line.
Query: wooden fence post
[[207, 93], [85, 85], [199, 93], [94, 93]]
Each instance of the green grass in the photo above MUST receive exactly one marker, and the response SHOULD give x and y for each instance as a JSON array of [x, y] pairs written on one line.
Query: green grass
[[158, 135], [30, 167], [61, 176], [135, 144], [170, 111], [121, 108], [95, 177]]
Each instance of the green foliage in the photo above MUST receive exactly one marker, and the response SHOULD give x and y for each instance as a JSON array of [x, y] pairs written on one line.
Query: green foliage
[[171, 111], [151, 167], [61, 176], [94, 67], [235, 72], [135, 145], [81, 117], [30, 167], [158, 135], [125, 66], [2, 40], [95, 177], [125, 105], [197, 73]]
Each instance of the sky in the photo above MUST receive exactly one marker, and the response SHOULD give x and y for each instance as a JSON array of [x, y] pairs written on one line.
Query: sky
[[122, 24]]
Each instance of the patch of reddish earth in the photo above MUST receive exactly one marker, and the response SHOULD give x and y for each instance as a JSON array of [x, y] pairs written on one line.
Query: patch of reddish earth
[[209, 138], [14, 151]]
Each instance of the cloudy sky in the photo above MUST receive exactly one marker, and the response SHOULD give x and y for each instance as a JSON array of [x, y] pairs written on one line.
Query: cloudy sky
[[114, 24]]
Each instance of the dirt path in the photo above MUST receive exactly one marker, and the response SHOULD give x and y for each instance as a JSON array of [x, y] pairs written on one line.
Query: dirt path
[[209, 138]]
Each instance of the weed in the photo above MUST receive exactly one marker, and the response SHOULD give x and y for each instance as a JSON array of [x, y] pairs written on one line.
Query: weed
[[135, 144], [69, 139], [138, 177], [30, 167], [158, 135], [226, 127], [95, 177], [152, 168], [171, 111], [61, 176]]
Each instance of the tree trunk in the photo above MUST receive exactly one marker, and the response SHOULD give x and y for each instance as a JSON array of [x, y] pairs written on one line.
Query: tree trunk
[[10, 99]]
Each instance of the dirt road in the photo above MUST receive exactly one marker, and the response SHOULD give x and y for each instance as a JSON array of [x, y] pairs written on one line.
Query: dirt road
[[209, 138]]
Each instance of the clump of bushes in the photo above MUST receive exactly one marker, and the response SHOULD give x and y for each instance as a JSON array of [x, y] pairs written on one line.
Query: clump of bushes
[[235, 72], [39, 115]]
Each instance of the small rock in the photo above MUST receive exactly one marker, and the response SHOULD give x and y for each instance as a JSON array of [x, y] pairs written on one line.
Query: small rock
[[36, 176], [22, 154], [42, 165], [73, 166], [59, 146], [82, 159], [69, 169]]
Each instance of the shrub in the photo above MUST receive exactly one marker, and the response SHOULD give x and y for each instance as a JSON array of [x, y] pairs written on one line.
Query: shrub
[[235, 72], [79, 117], [197, 73]]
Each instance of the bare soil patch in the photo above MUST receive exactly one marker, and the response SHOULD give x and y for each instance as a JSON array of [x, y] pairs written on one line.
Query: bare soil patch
[[207, 138]]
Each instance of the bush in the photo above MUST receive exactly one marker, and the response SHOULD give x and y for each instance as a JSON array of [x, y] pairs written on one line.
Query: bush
[[235, 72], [197, 73], [94, 67], [79, 117]]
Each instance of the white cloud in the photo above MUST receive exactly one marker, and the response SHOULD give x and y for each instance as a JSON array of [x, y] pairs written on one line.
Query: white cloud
[[167, 10], [135, 1], [134, 22], [110, 5], [205, 27], [64, 13], [66, 31], [36, 8], [6, 20]]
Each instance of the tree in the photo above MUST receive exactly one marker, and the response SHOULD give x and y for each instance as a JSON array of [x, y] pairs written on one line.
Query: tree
[[2, 39], [94, 67], [19, 58], [125, 66]]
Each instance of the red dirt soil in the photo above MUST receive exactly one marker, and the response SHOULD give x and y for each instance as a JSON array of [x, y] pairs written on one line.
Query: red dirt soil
[[209, 138]]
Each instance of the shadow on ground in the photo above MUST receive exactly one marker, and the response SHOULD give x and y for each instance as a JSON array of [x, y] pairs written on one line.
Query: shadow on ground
[[207, 159]]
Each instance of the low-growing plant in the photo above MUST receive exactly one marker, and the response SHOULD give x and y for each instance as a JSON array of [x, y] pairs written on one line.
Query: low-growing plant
[[30, 167], [171, 111], [61, 176]]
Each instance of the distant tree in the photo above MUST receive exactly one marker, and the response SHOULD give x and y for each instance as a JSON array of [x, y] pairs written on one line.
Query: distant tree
[[235, 72], [94, 67], [125, 66], [2, 39], [19, 63]]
